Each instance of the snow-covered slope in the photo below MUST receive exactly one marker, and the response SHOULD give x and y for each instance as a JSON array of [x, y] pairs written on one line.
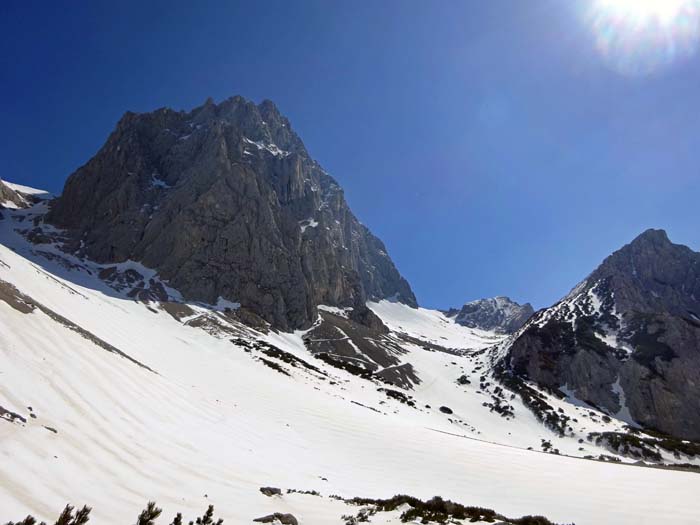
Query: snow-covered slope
[[26, 190], [432, 326], [112, 401]]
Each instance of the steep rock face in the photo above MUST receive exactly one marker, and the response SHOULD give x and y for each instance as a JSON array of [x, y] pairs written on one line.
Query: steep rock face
[[225, 202], [500, 314], [626, 339]]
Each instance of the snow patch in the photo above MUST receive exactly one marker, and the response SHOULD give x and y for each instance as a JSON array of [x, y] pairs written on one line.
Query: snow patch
[[26, 190], [224, 304], [623, 414], [307, 223], [271, 148], [159, 183], [571, 397], [342, 312], [609, 338]]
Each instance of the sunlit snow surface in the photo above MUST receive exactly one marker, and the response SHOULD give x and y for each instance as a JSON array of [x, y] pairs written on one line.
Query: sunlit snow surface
[[213, 424], [27, 190]]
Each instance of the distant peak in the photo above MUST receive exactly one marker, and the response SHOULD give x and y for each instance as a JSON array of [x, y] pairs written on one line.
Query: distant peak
[[500, 314], [499, 299]]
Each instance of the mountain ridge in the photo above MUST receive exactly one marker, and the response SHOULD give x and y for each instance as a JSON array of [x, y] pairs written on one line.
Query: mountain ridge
[[626, 338]]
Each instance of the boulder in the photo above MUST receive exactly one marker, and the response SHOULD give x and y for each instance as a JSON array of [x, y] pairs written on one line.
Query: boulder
[[284, 519]]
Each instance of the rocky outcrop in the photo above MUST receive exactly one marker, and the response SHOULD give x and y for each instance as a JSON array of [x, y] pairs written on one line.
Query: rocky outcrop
[[499, 314], [626, 339], [224, 201], [271, 491], [278, 517], [356, 340]]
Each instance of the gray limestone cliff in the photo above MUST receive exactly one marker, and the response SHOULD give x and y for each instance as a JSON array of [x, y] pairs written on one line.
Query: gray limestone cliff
[[224, 201]]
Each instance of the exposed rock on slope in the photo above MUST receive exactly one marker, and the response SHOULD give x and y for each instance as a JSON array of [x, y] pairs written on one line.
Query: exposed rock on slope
[[500, 314], [225, 201], [627, 339], [356, 340]]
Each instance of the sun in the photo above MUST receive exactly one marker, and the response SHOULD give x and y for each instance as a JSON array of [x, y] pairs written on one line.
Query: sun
[[639, 37], [644, 11]]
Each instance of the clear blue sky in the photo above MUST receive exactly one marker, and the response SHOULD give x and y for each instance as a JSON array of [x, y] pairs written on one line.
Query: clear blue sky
[[486, 142]]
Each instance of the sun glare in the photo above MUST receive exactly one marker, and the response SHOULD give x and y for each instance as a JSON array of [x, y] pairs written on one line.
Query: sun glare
[[661, 11], [639, 37]]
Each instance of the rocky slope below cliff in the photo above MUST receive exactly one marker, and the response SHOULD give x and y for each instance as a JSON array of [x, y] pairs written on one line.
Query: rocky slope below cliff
[[625, 340], [226, 204], [500, 314]]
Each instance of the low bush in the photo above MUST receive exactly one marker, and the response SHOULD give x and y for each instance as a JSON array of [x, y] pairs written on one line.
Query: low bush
[[148, 516], [438, 510]]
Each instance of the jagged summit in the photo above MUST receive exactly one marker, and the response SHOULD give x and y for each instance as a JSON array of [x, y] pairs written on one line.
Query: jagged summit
[[652, 235], [651, 240], [651, 274], [224, 201], [500, 314]]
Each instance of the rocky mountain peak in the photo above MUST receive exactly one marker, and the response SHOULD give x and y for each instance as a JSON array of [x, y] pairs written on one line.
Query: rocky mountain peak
[[626, 339], [651, 274], [652, 235], [500, 314], [224, 201], [650, 244]]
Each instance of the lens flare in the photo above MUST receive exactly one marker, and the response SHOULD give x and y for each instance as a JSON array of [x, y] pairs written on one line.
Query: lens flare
[[639, 37]]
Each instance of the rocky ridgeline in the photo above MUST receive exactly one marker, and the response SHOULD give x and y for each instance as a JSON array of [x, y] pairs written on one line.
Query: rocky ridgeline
[[626, 340], [224, 201]]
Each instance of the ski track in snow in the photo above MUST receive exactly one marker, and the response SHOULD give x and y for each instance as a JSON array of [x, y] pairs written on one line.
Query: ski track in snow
[[213, 425]]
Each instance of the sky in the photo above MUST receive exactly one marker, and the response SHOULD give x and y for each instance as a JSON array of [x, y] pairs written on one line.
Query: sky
[[493, 146]]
